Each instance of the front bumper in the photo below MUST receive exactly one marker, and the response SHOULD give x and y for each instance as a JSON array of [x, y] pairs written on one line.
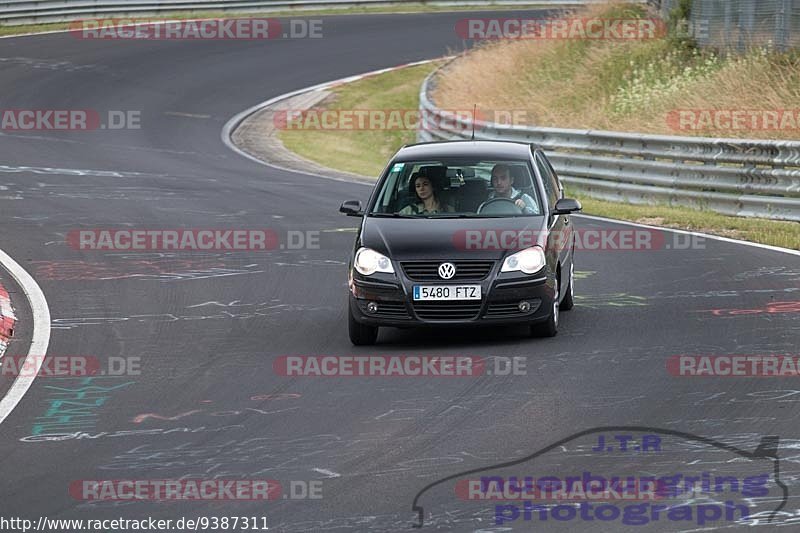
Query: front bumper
[[501, 296]]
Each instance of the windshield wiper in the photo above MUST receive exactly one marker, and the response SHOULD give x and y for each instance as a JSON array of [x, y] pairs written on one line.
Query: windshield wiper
[[389, 215], [477, 215], [451, 215]]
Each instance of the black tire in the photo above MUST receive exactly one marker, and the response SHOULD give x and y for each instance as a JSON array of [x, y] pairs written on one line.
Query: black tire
[[548, 328], [569, 299], [360, 334]]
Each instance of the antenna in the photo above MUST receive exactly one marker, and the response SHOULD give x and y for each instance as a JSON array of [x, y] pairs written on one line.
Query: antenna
[[474, 118]]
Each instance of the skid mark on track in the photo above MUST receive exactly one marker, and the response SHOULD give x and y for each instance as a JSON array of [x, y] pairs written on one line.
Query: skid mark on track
[[246, 311], [59, 436], [77, 172], [768, 271], [142, 270], [144, 417], [619, 299], [49, 64]]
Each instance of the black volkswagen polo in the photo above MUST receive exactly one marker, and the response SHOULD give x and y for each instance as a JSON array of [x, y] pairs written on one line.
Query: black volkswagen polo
[[462, 233]]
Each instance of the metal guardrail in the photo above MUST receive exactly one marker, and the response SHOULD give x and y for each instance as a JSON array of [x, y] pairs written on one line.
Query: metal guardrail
[[29, 11], [731, 176]]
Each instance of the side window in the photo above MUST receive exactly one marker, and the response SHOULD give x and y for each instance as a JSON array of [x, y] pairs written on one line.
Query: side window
[[551, 185], [388, 193]]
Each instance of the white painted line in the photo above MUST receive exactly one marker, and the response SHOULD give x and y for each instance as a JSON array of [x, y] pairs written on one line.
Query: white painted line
[[328, 473], [32, 34], [233, 123], [40, 338], [185, 115], [697, 234]]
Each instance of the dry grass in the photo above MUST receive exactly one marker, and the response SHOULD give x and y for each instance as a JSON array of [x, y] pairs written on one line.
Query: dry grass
[[621, 86]]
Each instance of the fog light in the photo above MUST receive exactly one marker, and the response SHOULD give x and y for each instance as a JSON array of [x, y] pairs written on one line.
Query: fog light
[[372, 307], [524, 306]]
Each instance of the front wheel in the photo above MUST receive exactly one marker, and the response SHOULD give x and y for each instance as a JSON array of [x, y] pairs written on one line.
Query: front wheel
[[548, 328], [361, 334]]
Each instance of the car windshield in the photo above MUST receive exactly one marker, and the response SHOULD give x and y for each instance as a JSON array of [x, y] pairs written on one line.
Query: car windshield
[[457, 188]]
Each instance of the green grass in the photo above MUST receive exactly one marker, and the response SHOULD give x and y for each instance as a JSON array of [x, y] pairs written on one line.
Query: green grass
[[772, 232], [179, 15], [363, 152]]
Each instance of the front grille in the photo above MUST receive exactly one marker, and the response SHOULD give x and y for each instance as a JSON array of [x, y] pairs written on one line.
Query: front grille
[[456, 310], [429, 270], [496, 310]]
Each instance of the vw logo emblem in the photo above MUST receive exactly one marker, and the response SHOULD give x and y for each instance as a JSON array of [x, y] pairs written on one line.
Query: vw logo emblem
[[447, 270]]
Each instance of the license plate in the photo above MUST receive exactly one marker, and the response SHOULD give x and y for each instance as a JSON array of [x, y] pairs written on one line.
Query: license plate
[[447, 292]]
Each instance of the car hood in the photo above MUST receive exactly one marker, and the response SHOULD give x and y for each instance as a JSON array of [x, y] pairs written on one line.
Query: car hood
[[404, 239]]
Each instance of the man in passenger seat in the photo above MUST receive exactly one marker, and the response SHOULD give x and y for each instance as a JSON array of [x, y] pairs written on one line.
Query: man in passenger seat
[[502, 183]]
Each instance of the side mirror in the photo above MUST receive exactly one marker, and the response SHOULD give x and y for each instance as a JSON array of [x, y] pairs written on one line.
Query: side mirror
[[565, 206], [351, 208]]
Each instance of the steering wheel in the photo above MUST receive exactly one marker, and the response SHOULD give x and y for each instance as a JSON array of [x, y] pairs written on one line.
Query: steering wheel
[[499, 206]]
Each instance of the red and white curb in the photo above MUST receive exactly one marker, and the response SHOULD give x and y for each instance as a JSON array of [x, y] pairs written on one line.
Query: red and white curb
[[7, 320], [40, 336]]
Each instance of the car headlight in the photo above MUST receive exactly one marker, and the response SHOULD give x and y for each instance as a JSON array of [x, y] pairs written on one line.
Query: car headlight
[[368, 261], [529, 261]]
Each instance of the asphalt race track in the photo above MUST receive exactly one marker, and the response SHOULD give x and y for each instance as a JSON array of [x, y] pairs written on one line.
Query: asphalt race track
[[207, 326]]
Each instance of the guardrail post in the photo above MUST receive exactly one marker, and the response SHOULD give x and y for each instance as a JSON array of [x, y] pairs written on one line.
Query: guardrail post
[[728, 23], [783, 25], [747, 22]]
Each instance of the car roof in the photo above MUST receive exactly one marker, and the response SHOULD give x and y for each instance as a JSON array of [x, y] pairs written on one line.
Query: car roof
[[471, 149]]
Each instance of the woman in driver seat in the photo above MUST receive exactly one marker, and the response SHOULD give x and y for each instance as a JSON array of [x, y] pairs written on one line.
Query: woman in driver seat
[[428, 201], [502, 183]]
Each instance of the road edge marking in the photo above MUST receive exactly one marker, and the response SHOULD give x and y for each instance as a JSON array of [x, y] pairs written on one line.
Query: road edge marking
[[234, 122], [696, 234], [40, 339]]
